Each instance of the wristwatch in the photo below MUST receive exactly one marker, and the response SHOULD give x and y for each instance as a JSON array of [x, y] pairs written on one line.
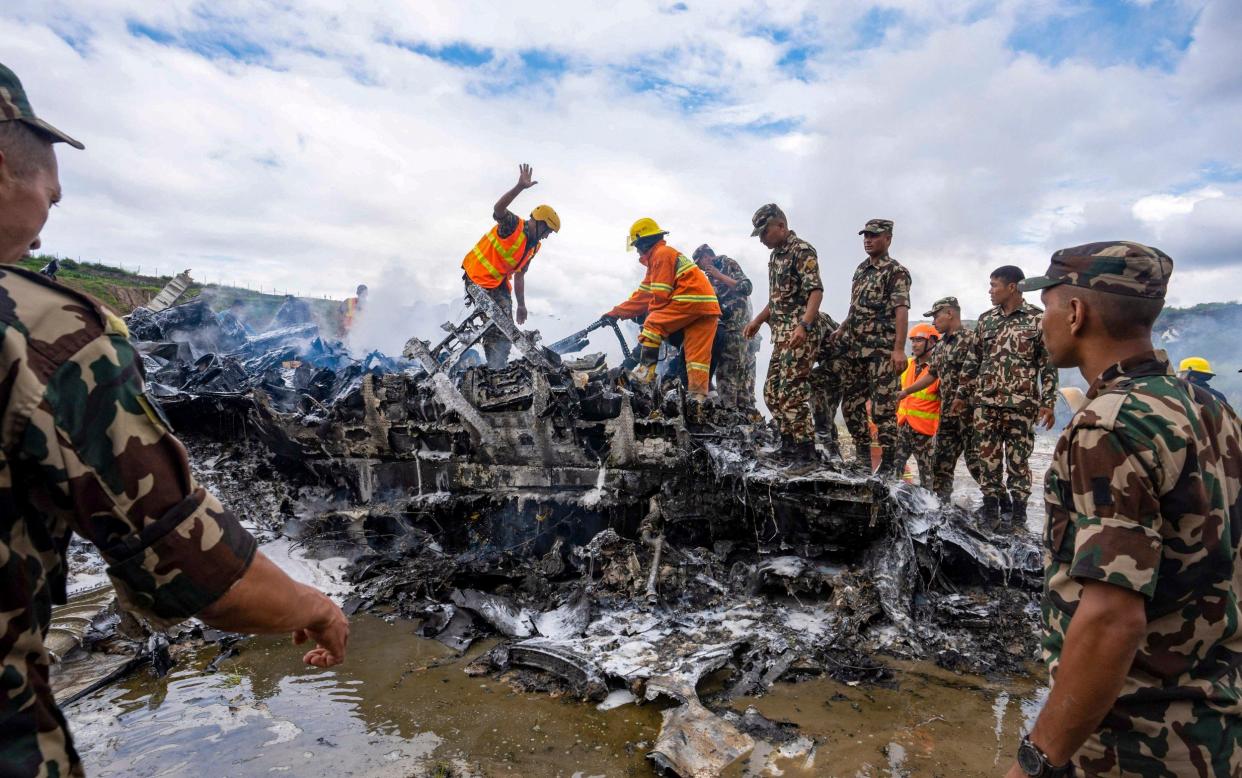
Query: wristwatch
[[1034, 763]]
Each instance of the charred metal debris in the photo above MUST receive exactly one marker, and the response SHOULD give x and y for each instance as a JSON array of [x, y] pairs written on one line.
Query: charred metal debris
[[625, 545]]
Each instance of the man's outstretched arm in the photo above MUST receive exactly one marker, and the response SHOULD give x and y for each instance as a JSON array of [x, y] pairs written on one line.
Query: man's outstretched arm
[[525, 176]]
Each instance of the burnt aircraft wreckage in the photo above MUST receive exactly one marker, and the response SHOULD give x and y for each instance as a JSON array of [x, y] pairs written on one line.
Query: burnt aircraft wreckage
[[623, 542]]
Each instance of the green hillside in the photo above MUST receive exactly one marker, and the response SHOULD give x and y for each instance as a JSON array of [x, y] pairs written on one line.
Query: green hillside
[[122, 290]]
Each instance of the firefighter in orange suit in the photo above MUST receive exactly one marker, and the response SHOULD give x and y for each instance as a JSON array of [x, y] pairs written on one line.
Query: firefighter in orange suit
[[505, 252], [352, 308], [676, 297], [918, 413]]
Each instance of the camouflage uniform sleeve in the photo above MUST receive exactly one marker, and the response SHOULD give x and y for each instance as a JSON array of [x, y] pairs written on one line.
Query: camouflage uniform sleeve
[[807, 267], [124, 482], [899, 296], [1048, 379], [744, 287], [971, 359], [1116, 510], [506, 224]]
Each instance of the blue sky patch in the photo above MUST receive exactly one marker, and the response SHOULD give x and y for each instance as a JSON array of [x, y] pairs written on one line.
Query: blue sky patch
[[872, 26], [217, 39], [1110, 32], [458, 54]]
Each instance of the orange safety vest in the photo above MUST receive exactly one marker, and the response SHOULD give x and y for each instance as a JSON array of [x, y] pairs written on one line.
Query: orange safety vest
[[494, 259], [351, 311], [920, 410]]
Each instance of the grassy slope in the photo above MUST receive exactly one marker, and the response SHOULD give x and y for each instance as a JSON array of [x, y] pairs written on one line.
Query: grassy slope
[[102, 282]]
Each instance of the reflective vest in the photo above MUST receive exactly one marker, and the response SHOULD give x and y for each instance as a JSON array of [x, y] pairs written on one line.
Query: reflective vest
[[673, 283], [920, 410], [351, 312], [494, 259]]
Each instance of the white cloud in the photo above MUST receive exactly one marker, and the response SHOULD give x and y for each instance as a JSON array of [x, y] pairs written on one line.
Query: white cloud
[[1161, 207]]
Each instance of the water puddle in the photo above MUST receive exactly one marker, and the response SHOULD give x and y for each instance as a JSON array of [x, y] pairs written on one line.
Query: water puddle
[[403, 705]]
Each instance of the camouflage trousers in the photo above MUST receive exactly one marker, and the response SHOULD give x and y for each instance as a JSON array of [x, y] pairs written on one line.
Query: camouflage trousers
[[922, 447], [495, 345], [870, 378], [1004, 438], [787, 391], [826, 388], [733, 365], [955, 437]]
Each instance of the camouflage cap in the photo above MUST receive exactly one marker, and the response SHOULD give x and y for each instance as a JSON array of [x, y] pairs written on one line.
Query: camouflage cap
[[943, 302], [704, 250], [14, 106], [877, 227], [1115, 266], [765, 214]]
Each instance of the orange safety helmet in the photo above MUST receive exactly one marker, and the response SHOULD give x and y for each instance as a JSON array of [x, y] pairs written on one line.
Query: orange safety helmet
[[924, 331]]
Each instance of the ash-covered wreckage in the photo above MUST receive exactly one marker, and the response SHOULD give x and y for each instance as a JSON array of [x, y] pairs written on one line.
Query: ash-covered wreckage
[[624, 544]]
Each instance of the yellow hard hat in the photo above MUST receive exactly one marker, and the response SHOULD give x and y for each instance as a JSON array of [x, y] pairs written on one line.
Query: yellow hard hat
[[642, 228], [1197, 364], [545, 214]]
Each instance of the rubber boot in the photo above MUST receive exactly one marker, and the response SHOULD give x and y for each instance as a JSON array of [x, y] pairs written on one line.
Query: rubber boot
[[888, 464], [805, 460], [989, 512], [1019, 512], [1006, 504]]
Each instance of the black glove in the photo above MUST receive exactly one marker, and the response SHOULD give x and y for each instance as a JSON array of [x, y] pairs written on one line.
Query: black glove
[[608, 318]]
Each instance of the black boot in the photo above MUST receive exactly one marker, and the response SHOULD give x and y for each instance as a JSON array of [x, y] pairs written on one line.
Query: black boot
[[989, 512], [1006, 504], [804, 459], [888, 464], [1019, 512]]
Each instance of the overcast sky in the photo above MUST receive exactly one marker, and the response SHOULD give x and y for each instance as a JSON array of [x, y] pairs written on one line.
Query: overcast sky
[[300, 145]]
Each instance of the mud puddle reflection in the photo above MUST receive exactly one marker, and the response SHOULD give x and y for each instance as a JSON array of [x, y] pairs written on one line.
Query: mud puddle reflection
[[402, 705]]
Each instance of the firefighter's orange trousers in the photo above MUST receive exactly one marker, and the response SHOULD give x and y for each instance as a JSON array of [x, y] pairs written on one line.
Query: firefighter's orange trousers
[[699, 331]]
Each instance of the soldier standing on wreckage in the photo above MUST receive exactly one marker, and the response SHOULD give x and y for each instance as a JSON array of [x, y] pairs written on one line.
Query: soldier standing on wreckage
[[1142, 628], [505, 252], [733, 364], [955, 433], [85, 451], [794, 294], [1011, 384], [872, 340]]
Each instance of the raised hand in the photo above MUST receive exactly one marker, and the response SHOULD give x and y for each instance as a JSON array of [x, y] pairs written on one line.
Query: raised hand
[[525, 174]]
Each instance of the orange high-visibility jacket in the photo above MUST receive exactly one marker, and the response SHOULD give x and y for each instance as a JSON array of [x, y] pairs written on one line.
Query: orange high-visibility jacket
[[920, 410], [351, 312], [673, 284], [494, 259]]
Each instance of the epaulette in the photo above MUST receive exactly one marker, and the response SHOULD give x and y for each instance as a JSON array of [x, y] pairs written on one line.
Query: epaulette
[[1102, 410]]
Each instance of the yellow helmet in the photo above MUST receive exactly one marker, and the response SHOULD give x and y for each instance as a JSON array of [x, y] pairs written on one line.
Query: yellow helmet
[[642, 228], [1197, 364], [545, 214]]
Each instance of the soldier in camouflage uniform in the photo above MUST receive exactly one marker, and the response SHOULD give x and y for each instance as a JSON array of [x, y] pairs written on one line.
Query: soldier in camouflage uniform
[[732, 362], [792, 313], [873, 341], [1008, 380], [826, 385], [83, 449], [956, 429], [1141, 544]]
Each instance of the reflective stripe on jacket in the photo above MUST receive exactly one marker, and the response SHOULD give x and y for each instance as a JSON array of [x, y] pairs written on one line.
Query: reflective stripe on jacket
[[494, 259], [921, 410], [673, 281]]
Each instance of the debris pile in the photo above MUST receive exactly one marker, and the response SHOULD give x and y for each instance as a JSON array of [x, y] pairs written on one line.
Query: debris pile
[[625, 545]]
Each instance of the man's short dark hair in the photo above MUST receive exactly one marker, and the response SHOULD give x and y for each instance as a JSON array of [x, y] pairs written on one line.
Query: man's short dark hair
[[1123, 316], [1010, 274], [25, 149]]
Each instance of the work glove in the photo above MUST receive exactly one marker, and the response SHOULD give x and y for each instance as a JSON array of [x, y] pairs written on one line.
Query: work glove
[[608, 318]]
